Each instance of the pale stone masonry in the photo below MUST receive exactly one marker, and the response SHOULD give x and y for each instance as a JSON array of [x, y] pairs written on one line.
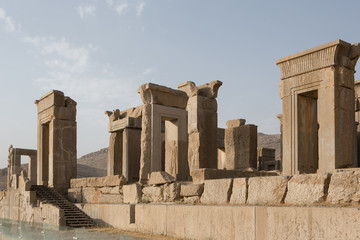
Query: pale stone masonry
[[240, 145], [56, 158], [124, 145], [169, 163], [162, 104], [317, 91], [202, 124]]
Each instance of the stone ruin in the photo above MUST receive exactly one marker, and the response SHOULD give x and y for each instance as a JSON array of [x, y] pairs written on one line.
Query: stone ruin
[[170, 149]]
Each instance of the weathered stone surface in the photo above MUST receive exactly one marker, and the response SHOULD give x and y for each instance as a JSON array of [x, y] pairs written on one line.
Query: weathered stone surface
[[153, 194], [111, 190], [110, 198], [95, 181], [217, 191], [75, 195], [157, 178], [115, 180], [344, 187], [78, 182], [192, 200], [156, 94], [172, 192], [235, 123], [132, 193], [266, 190], [239, 191], [57, 138], [188, 190], [200, 175], [307, 189], [318, 83], [241, 147]]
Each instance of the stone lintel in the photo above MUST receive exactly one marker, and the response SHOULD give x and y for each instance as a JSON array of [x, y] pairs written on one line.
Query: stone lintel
[[121, 124], [54, 98], [335, 53], [25, 152], [156, 94]]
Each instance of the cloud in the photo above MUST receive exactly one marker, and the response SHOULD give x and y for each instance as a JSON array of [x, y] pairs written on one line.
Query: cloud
[[62, 54], [121, 6], [148, 71], [10, 25], [86, 10], [140, 8]]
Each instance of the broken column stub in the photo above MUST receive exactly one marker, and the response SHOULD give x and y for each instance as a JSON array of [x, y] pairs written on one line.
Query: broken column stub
[[317, 92], [56, 159], [124, 145], [240, 145], [202, 124], [164, 134]]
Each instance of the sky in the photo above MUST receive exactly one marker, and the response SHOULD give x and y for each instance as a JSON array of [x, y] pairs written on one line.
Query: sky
[[99, 52]]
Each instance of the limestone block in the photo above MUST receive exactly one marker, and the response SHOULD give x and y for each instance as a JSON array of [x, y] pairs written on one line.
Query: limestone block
[[90, 195], [235, 123], [115, 180], [77, 182], [132, 193], [188, 190], [241, 147], [344, 187], [307, 189], [95, 182], [110, 198], [111, 190], [217, 191], [153, 194], [157, 178], [172, 192], [239, 191], [75, 195], [192, 200], [156, 94], [266, 190]]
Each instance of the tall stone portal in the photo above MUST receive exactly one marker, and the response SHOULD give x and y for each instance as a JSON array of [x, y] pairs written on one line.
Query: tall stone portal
[[56, 159]]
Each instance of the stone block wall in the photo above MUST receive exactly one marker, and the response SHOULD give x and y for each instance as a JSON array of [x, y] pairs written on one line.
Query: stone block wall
[[340, 188]]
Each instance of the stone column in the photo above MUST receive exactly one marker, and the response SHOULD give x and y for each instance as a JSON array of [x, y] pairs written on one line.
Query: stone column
[[202, 124]]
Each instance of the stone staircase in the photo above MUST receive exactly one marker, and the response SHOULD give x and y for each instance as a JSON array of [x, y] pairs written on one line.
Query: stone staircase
[[73, 215]]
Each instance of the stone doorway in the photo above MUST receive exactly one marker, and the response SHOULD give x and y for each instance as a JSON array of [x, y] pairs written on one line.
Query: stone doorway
[[308, 157]]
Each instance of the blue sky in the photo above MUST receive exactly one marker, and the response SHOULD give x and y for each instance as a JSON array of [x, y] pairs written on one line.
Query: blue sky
[[100, 52]]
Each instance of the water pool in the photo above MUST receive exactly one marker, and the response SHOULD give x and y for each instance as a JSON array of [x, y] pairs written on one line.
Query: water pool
[[10, 229]]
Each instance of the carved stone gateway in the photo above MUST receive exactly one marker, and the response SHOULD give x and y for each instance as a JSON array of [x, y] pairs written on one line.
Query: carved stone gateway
[[317, 91], [163, 113], [14, 164], [56, 159], [124, 147]]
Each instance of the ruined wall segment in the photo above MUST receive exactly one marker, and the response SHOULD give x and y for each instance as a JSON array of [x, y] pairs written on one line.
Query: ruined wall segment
[[163, 107], [56, 159], [317, 91], [124, 145], [202, 124]]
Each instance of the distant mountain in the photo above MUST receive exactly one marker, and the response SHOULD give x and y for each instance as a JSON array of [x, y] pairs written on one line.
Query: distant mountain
[[94, 164]]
